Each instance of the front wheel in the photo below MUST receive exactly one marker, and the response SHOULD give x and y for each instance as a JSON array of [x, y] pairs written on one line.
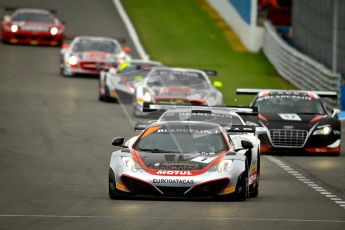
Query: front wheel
[[113, 192], [242, 190], [254, 189]]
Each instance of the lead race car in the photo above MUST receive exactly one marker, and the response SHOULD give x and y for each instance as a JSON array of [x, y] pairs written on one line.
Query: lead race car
[[90, 55], [231, 118], [31, 26], [122, 80], [183, 159], [176, 86], [297, 121]]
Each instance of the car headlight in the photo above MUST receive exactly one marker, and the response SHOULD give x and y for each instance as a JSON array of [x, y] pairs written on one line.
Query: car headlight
[[130, 163], [54, 30], [147, 97], [222, 166], [322, 130], [72, 60], [14, 28]]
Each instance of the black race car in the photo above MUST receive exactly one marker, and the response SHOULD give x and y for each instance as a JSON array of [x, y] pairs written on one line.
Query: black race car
[[296, 121]]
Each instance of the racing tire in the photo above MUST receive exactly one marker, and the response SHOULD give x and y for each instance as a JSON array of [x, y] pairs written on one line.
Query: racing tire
[[242, 190], [113, 192], [100, 95], [254, 190], [106, 97]]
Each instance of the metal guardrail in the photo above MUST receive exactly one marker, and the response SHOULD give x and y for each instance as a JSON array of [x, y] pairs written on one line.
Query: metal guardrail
[[299, 69]]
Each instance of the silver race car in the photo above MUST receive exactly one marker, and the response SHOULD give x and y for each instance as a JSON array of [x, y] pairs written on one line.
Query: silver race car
[[176, 86], [180, 158], [89, 55], [120, 82], [232, 119]]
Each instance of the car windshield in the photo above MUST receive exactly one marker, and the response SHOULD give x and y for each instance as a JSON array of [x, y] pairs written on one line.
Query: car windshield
[[89, 45], [289, 104], [206, 116], [132, 73], [182, 139], [34, 17], [175, 78]]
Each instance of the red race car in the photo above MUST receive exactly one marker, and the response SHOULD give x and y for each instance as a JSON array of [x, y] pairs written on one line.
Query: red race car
[[31, 26]]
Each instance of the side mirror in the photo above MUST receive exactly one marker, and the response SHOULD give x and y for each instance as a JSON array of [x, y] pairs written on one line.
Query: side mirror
[[118, 141], [246, 144], [126, 49], [140, 125], [260, 130], [335, 112], [65, 46], [218, 84]]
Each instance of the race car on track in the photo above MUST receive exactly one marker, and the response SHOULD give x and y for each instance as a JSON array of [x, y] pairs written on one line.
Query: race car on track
[[182, 159], [32, 26], [123, 79], [176, 86], [232, 119], [297, 121], [89, 55]]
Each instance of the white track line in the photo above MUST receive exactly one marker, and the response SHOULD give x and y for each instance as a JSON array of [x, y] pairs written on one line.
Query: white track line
[[339, 201], [173, 218], [131, 30]]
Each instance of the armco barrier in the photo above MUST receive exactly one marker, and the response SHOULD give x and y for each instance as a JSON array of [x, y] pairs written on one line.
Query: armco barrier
[[299, 69]]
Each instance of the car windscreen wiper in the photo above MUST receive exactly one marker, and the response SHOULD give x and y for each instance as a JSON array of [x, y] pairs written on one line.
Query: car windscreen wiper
[[155, 150]]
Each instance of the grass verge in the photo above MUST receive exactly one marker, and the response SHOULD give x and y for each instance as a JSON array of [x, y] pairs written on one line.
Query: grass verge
[[180, 33]]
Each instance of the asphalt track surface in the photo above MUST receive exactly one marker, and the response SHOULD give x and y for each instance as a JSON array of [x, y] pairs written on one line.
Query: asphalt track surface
[[55, 148]]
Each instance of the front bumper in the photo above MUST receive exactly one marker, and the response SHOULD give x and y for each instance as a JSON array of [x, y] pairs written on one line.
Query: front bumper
[[32, 38], [209, 185], [317, 144]]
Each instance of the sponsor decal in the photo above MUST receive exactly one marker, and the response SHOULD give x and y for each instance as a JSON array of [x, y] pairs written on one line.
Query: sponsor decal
[[172, 181], [201, 131], [230, 189], [173, 173], [203, 159], [289, 116], [296, 97]]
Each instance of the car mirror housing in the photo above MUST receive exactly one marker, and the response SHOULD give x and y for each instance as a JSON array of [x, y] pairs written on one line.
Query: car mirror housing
[[335, 112], [246, 144], [126, 49], [118, 141], [141, 125]]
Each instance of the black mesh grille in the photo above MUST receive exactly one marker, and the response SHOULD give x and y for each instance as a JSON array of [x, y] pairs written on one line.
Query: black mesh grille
[[173, 191], [210, 188], [288, 138], [139, 187]]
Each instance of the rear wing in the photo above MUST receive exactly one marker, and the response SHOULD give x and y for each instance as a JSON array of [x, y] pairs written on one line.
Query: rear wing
[[210, 73], [241, 129], [243, 91], [248, 114]]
